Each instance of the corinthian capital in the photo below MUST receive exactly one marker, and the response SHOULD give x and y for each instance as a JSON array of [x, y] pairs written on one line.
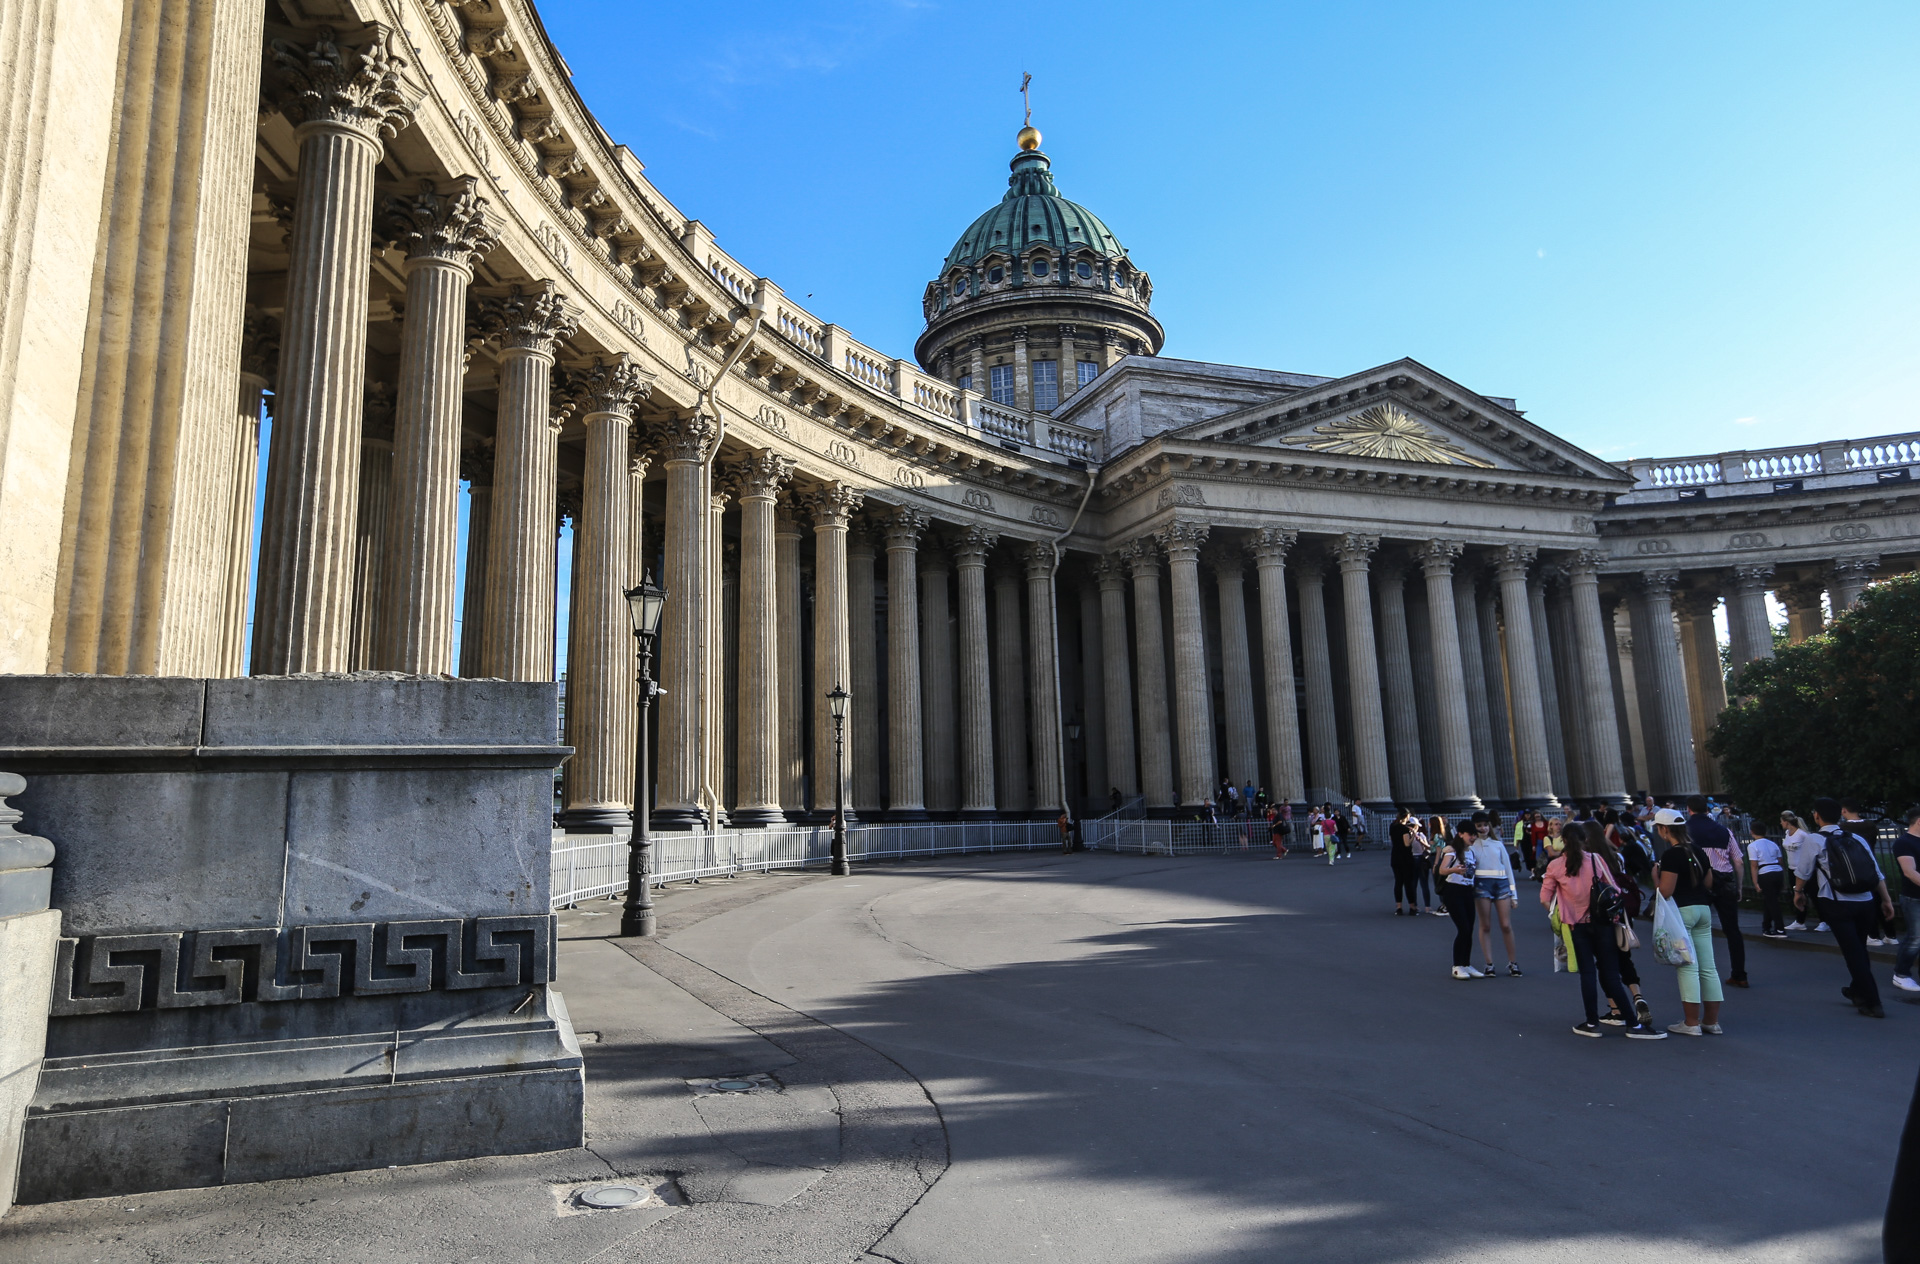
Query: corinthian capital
[[833, 505], [1142, 556], [1110, 572], [259, 346], [1437, 557], [528, 320], [1270, 545], [327, 84], [1585, 565], [1510, 561], [760, 475], [688, 438], [1658, 583], [1039, 558], [972, 544], [1182, 540], [607, 386], [454, 226], [1354, 550], [1753, 578], [905, 526]]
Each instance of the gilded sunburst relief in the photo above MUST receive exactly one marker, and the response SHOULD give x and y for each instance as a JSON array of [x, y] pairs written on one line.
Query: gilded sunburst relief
[[1386, 431]]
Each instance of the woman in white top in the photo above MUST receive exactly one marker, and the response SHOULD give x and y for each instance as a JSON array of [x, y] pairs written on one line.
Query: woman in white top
[[1766, 865], [1493, 890], [1794, 836]]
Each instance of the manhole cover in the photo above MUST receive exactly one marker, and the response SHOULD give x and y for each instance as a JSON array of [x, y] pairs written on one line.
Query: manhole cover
[[612, 1197], [735, 1086]]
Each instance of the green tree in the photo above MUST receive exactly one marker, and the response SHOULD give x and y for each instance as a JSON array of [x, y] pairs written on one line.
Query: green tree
[[1831, 715]]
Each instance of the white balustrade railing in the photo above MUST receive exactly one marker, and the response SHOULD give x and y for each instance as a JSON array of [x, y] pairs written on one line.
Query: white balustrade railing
[[1002, 423], [865, 368], [1877, 454], [736, 284], [1071, 441], [1782, 464], [805, 336], [1759, 465], [936, 398]]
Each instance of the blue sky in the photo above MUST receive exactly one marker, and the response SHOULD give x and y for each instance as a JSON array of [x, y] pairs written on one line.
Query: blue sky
[[1665, 229]]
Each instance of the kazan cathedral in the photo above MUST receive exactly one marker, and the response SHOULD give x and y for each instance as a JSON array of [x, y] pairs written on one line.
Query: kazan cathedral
[[1048, 565]]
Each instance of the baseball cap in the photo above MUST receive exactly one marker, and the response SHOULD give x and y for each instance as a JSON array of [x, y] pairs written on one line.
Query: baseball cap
[[1667, 816]]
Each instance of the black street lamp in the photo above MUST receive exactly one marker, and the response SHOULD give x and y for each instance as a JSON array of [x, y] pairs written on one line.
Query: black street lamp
[[644, 605], [837, 706]]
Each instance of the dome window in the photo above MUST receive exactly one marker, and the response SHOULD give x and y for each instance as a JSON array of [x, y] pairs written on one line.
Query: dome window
[[960, 286], [1039, 267], [996, 275], [1084, 270]]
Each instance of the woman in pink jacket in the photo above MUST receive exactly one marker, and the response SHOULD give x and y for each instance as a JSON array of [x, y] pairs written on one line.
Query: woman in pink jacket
[[1569, 884]]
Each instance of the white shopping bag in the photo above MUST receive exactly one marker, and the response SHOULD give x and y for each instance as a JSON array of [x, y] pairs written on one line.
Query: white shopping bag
[[1671, 942]]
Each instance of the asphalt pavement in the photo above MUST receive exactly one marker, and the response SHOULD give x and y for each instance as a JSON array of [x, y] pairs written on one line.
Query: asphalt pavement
[[1100, 1058]]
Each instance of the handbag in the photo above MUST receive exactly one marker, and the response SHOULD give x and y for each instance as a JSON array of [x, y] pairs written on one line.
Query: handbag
[[1623, 937]]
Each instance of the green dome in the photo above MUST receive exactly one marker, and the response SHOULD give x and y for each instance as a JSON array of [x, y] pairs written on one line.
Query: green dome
[[1033, 214]]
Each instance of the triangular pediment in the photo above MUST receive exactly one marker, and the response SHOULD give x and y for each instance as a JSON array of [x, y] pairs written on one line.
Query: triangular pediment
[[1403, 413]]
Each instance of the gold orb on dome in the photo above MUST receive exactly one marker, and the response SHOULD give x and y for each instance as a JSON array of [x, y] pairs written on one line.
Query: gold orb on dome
[[1029, 137]]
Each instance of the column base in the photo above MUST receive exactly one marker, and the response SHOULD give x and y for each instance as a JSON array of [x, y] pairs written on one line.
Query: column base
[[1545, 802], [907, 816], [595, 820], [676, 819], [1161, 812], [1462, 807], [796, 816], [1385, 807], [757, 818]]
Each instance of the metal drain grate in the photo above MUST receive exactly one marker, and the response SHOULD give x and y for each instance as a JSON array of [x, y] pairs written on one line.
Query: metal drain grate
[[612, 1197]]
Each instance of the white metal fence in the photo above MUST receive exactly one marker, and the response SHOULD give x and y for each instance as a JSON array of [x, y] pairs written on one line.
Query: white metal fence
[[1134, 836], [586, 866]]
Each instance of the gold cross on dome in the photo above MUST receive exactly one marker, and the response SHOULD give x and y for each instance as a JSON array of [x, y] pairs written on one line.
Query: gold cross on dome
[[1026, 100]]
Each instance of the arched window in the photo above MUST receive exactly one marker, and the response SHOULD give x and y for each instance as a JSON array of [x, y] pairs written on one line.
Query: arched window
[[995, 275], [1084, 270], [1039, 267]]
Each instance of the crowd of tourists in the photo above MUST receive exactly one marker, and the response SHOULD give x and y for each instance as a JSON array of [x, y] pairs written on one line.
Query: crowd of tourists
[[1653, 881]]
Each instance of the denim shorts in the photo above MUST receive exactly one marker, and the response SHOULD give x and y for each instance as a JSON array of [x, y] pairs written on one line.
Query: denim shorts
[[1494, 889]]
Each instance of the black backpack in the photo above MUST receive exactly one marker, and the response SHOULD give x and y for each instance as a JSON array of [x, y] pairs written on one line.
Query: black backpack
[[1850, 867]]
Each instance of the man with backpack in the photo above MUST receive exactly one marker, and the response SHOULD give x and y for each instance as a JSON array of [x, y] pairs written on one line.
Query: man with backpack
[[1838, 871], [1722, 851]]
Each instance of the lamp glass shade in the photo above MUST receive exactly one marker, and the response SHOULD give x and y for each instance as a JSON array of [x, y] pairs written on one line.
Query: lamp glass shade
[[837, 702], [644, 604], [1073, 732]]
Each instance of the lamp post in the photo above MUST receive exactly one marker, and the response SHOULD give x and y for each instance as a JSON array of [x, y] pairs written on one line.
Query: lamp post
[[837, 706], [644, 605]]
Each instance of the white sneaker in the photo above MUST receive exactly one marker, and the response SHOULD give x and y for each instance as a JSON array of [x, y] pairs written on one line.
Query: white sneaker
[[1796, 926], [1822, 928], [1473, 973], [1461, 972], [1905, 984], [1681, 1029], [1874, 943]]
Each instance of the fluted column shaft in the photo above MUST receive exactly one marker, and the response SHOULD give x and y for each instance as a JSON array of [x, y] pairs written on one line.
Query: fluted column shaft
[[304, 606], [681, 665], [833, 508], [1706, 683], [1236, 670], [1473, 666], [1093, 706], [239, 550], [371, 516], [976, 681], [1749, 607], [864, 654], [1593, 641], [1323, 729], [936, 685], [713, 657], [1043, 682], [1011, 766], [1396, 679], [1117, 675], [906, 777], [793, 709], [1285, 775], [757, 483], [1566, 687], [1549, 692], [1533, 768], [1150, 671], [1363, 674], [1452, 714], [1669, 684], [1193, 710], [1497, 666], [1804, 616]]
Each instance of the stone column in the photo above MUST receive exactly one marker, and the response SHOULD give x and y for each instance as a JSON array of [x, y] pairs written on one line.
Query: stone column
[[906, 780], [1011, 766], [1496, 665], [970, 549], [1193, 696], [477, 469], [757, 481], [1673, 729], [1626, 707], [1804, 616], [1646, 699], [1093, 703], [599, 782], [1285, 778], [1069, 371], [1549, 690], [1323, 730], [833, 507], [1851, 575], [342, 103], [1043, 681], [1022, 383], [863, 649], [1473, 667], [1236, 667], [1156, 749], [1566, 687], [372, 501], [526, 326], [1534, 770], [1749, 606], [680, 665], [788, 673], [1363, 675], [714, 643], [1453, 713], [1706, 684], [443, 235], [1396, 677], [936, 685], [259, 353], [1599, 668], [1110, 573]]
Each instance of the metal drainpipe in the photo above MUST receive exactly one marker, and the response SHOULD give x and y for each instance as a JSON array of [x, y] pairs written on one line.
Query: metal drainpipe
[[1053, 630], [706, 403]]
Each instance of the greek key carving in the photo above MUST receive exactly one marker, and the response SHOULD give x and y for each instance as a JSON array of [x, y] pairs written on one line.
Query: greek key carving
[[110, 974]]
